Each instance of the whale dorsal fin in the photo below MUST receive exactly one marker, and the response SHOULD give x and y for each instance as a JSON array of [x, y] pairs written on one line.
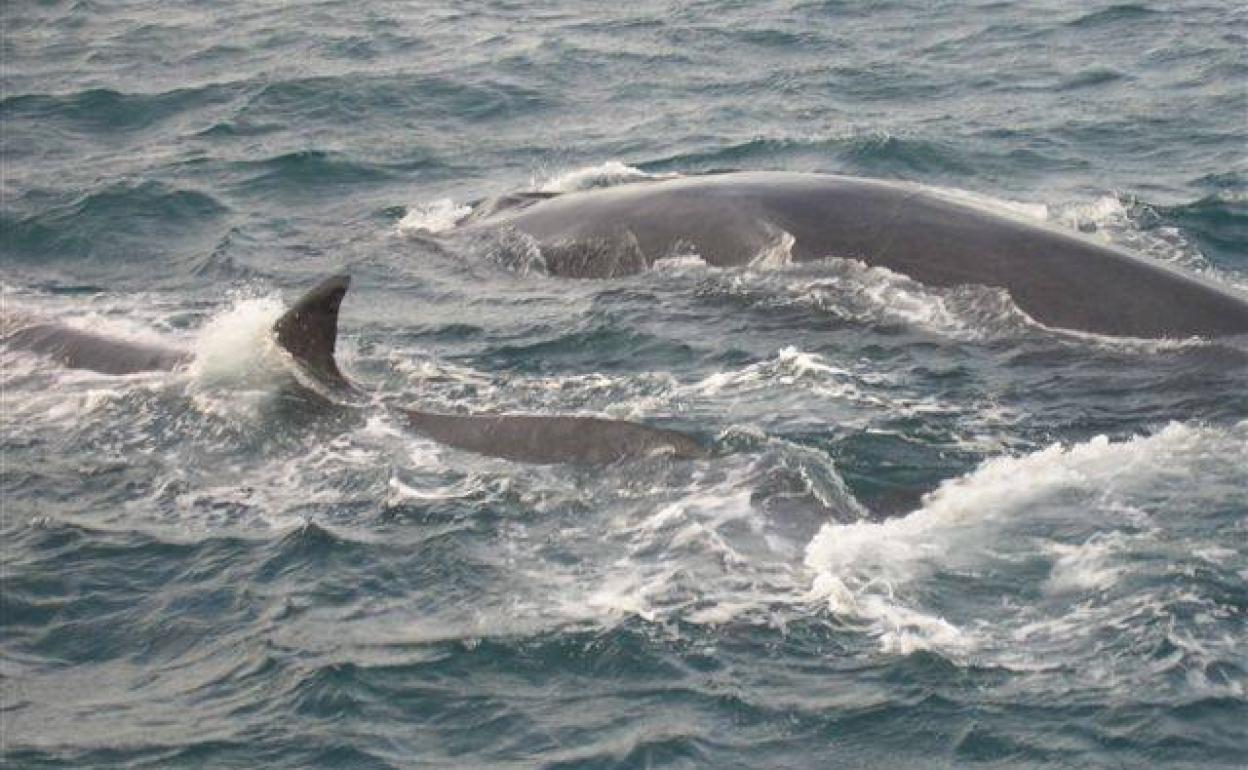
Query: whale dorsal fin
[[309, 331]]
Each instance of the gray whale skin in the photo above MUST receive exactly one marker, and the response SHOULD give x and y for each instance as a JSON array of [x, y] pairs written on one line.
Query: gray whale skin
[[308, 332], [1059, 278]]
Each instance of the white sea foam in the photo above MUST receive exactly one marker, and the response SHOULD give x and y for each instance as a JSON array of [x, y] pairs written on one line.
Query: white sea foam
[[1036, 212], [1092, 494], [679, 263], [275, 496], [674, 543], [236, 347], [433, 217], [857, 292], [608, 174], [790, 366], [1096, 218], [1111, 221], [855, 392], [1117, 222], [1087, 566], [777, 252]]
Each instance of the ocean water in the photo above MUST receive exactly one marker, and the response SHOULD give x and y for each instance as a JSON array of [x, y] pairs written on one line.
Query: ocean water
[[932, 534]]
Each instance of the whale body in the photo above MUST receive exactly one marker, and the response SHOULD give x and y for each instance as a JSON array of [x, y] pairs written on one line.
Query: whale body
[[308, 333], [1059, 278], [81, 349]]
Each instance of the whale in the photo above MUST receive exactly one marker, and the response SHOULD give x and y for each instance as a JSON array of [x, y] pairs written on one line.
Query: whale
[[307, 333], [1059, 278]]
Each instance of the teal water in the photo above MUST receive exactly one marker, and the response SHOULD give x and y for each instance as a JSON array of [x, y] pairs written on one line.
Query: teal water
[[933, 535]]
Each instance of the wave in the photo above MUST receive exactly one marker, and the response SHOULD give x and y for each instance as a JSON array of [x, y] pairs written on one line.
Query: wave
[[1114, 15], [105, 111], [343, 98], [876, 154], [436, 216], [1217, 223], [123, 222], [296, 170], [1090, 78], [1085, 519]]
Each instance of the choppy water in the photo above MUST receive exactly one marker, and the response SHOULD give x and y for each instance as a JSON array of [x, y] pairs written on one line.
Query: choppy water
[[933, 534]]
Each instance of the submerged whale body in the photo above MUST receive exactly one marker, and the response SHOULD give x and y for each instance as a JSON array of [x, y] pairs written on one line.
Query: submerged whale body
[[81, 349], [308, 332], [1058, 278]]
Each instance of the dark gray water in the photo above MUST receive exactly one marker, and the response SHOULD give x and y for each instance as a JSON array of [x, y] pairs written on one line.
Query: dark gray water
[[933, 534]]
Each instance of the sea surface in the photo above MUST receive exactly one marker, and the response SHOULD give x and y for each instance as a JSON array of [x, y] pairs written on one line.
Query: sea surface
[[931, 534]]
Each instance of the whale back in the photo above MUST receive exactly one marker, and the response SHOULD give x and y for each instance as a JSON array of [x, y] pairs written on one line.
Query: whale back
[[81, 349], [1059, 278]]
